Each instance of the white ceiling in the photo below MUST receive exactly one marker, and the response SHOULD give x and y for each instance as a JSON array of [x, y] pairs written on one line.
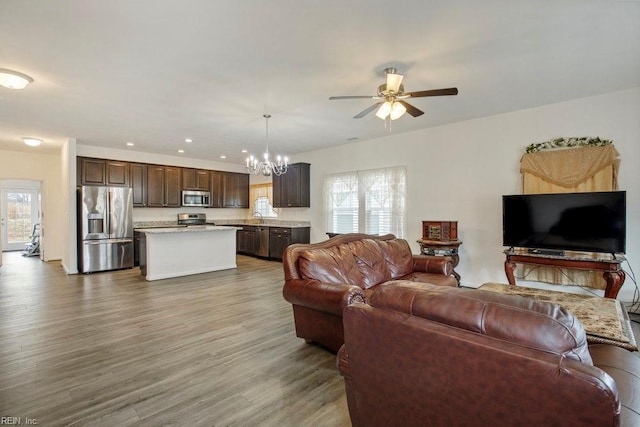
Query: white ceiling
[[155, 72]]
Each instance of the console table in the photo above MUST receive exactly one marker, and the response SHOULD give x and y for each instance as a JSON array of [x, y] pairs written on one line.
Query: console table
[[442, 248], [612, 273]]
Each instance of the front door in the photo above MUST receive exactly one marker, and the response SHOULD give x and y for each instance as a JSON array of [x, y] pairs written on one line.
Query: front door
[[18, 215]]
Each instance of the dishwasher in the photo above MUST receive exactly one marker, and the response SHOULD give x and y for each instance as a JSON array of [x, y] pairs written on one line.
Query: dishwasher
[[262, 241]]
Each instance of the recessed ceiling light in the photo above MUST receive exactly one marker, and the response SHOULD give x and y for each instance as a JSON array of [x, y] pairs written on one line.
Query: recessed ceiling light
[[223, 157], [13, 79], [32, 142], [244, 151], [130, 144], [187, 140], [180, 151]]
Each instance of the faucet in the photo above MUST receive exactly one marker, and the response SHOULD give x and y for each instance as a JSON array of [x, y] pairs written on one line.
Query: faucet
[[260, 215]]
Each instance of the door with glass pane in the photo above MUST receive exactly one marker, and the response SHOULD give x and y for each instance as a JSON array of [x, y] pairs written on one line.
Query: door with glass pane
[[19, 213]]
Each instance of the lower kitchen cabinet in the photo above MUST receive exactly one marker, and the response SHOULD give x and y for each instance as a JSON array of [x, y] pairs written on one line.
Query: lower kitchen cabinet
[[246, 240], [267, 241], [281, 237]]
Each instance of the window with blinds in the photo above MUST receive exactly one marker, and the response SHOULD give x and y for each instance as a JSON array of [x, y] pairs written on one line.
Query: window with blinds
[[371, 202], [261, 200]]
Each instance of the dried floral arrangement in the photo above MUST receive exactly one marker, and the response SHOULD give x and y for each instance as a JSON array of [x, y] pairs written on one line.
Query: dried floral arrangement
[[584, 141]]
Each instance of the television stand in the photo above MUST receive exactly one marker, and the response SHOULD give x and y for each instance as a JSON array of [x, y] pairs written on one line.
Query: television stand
[[613, 275]]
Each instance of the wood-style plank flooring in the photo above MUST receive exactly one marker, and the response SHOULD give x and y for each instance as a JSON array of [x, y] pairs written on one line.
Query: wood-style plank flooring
[[110, 349]]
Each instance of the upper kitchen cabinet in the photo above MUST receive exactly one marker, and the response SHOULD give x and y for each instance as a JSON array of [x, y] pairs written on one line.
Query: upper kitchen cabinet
[[138, 174], [173, 189], [216, 187], [103, 172], [163, 186], [293, 189], [235, 190], [195, 179]]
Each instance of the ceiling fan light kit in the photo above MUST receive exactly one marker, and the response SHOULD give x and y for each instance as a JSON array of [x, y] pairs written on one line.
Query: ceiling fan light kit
[[266, 167], [13, 79], [393, 94]]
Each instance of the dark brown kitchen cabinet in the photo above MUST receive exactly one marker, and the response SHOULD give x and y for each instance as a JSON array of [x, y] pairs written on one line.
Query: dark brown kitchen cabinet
[[195, 179], [91, 171], [163, 186], [173, 188], [293, 189], [117, 173], [216, 188], [138, 174], [246, 240], [281, 237], [103, 172], [155, 186], [235, 190]]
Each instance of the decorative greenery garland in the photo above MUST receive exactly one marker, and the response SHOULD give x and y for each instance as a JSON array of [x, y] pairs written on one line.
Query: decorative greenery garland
[[583, 141]]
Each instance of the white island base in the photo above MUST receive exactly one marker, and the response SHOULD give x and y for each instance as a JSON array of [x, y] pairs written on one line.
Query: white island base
[[181, 251]]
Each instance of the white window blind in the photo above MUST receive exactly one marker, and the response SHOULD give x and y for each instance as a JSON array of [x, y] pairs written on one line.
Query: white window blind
[[371, 201]]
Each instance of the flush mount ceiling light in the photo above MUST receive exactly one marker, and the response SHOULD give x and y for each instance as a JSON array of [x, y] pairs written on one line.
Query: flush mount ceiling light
[[266, 167], [13, 79], [32, 142]]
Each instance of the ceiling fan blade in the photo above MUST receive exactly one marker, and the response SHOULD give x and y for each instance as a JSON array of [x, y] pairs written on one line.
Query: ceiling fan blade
[[434, 92], [394, 81], [411, 109], [332, 98], [367, 111]]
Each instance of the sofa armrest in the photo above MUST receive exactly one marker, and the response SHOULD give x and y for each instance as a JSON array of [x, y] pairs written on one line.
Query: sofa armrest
[[433, 264], [342, 363], [330, 298]]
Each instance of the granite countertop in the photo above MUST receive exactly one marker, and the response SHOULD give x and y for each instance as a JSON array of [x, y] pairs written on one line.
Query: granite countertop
[[156, 224], [190, 229], [224, 222], [264, 223]]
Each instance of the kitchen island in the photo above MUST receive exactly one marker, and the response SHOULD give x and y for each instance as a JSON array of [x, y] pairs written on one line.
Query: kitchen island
[[181, 251]]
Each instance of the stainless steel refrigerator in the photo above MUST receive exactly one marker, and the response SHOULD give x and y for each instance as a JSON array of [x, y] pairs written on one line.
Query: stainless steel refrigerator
[[105, 228]]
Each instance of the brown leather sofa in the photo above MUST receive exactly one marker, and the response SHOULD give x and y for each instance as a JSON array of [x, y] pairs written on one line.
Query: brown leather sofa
[[437, 356], [321, 279]]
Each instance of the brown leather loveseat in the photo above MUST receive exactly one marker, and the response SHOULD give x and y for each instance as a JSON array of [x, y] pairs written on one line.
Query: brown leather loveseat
[[321, 279], [436, 356]]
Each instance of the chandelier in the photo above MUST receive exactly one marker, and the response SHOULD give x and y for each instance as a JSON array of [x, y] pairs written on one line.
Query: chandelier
[[267, 167]]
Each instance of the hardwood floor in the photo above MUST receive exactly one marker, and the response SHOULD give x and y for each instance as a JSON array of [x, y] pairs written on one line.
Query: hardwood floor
[[110, 349]]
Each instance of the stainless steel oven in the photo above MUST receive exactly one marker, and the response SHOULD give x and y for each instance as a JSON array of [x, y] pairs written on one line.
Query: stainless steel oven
[[196, 198]]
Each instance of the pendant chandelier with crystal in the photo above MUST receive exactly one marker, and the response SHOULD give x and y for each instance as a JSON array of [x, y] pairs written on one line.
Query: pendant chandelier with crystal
[[267, 167]]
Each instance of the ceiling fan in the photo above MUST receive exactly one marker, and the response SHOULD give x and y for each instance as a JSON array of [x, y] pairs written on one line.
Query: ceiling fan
[[392, 98]]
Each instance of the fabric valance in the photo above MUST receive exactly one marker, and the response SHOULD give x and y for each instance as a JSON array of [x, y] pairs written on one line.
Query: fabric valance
[[570, 167]]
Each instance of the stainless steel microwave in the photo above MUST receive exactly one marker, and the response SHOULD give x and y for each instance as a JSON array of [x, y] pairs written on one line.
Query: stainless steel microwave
[[195, 198]]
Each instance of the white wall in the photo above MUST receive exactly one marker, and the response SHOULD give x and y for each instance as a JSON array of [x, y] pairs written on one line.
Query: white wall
[[68, 171], [460, 171], [45, 168]]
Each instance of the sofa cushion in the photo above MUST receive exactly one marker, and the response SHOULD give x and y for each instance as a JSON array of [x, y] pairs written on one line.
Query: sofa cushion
[[535, 324], [370, 261], [334, 265], [434, 279], [398, 256]]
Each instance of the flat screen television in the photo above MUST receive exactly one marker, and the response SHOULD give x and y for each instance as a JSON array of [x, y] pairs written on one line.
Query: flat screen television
[[589, 222]]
